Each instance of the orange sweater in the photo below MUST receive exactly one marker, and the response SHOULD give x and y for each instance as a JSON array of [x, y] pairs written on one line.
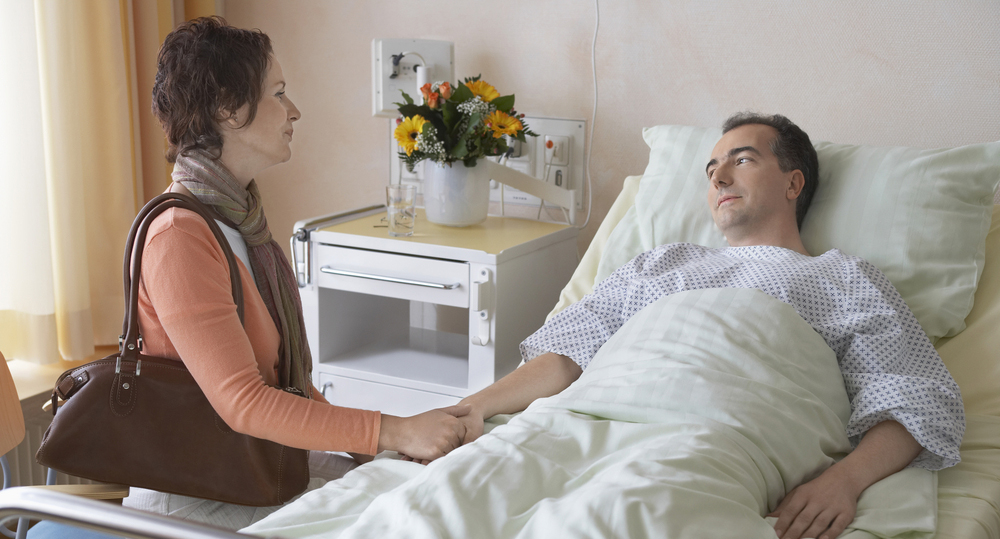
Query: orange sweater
[[186, 312]]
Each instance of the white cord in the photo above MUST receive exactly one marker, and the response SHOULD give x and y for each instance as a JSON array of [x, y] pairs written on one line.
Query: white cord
[[541, 202], [412, 53], [502, 160], [593, 115]]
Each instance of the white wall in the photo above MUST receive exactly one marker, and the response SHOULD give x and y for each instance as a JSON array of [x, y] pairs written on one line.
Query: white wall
[[920, 72]]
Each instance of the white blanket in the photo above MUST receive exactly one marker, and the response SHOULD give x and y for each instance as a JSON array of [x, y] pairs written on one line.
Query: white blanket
[[692, 421]]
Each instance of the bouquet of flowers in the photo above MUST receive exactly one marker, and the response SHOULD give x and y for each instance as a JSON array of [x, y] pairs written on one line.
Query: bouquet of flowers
[[460, 123]]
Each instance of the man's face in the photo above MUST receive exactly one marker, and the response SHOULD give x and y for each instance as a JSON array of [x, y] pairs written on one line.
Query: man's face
[[747, 188]]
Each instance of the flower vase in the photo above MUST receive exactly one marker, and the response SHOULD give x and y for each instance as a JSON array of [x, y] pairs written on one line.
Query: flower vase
[[456, 195]]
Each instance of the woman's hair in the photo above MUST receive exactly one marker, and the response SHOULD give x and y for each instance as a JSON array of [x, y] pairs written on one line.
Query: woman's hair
[[205, 69]]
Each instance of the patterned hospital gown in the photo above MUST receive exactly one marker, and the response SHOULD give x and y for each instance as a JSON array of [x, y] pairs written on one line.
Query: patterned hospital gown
[[890, 368]]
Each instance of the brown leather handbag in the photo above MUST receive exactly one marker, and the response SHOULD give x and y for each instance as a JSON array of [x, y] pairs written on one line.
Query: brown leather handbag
[[143, 421]]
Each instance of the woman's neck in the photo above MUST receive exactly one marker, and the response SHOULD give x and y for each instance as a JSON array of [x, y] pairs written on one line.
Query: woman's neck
[[243, 167]]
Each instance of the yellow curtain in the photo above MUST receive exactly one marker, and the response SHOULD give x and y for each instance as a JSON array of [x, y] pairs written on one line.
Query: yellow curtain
[[82, 153]]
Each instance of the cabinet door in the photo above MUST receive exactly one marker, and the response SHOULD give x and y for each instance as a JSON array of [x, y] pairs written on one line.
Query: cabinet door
[[388, 399], [393, 275]]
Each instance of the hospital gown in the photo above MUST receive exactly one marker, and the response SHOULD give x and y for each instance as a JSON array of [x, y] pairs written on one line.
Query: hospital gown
[[890, 368]]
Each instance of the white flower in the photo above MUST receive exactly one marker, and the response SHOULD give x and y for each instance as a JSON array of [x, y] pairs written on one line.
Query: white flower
[[476, 105], [428, 143]]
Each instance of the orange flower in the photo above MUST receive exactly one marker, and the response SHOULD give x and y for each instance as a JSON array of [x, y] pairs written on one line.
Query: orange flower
[[426, 90], [484, 90], [432, 100], [445, 89], [503, 124]]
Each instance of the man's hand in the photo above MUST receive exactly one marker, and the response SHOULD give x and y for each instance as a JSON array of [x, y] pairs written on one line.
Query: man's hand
[[424, 437], [474, 424], [821, 508]]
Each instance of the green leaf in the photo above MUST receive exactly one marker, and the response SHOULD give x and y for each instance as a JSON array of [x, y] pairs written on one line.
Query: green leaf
[[461, 148], [442, 130], [469, 161], [452, 118], [406, 98], [461, 94], [504, 103], [410, 110]]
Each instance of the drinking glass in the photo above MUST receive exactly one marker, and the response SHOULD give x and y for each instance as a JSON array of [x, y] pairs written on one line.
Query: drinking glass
[[399, 202]]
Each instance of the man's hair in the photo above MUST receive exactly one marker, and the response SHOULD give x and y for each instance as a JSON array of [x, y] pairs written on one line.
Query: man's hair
[[206, 67], [793, 150]]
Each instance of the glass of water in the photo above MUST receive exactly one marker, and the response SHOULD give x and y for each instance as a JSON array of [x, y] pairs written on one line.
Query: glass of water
[[399, 202]]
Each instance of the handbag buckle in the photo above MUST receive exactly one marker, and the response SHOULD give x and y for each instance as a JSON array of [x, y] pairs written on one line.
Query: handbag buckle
[[121, 351], [121, 343], [118, 366]]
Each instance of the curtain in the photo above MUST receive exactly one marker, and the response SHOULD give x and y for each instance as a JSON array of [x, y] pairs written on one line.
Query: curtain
[[81, 153]]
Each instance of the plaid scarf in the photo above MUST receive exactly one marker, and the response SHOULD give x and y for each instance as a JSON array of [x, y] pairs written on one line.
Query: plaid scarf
[[213, 185]]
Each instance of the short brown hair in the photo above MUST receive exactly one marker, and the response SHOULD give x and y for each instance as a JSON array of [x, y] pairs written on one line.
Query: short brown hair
[[206, 67], [793, 149]]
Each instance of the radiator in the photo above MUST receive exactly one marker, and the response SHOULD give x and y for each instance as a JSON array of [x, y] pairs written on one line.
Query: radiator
[[24, 470]]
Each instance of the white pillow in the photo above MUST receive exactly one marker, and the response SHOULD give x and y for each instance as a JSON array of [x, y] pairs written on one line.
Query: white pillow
[[920, 216]]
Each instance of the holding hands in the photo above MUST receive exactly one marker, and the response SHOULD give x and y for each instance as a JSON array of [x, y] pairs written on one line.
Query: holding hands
[[424, 437], [431, 435], [472, 421]]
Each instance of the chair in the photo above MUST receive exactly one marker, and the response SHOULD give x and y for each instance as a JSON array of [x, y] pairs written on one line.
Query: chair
[[11, 435]]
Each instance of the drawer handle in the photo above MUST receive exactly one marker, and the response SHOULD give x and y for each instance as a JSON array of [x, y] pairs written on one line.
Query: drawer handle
[[345, 273]]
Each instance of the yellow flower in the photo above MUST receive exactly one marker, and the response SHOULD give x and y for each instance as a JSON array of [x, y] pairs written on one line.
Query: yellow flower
[[407, 132], [484, 90], [503, 124]]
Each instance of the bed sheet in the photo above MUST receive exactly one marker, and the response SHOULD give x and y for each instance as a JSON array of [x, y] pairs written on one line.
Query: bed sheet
[[969, 493], [680, 437]]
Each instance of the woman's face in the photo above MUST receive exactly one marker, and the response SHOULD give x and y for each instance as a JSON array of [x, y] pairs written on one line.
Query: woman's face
[[266, 140]]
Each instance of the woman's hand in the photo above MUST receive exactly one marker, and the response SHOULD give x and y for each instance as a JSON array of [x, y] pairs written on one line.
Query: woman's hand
[[424, 437]]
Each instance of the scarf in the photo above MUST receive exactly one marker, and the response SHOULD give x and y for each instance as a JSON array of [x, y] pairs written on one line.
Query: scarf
[[213, 185]]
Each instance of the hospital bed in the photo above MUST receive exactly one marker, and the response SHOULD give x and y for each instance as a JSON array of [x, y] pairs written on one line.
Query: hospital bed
[[917, 214]]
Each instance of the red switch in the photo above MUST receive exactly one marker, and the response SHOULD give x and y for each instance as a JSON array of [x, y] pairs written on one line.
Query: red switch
[[549, 144]]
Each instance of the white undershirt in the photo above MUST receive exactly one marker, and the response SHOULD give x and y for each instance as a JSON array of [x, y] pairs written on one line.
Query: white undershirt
[[238, 245]]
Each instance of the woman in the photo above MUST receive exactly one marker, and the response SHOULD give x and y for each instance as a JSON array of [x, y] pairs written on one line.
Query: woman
[[220, 97]]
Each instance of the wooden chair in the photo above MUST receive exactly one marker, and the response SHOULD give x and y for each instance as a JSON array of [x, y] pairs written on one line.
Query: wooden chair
[[11, 435]]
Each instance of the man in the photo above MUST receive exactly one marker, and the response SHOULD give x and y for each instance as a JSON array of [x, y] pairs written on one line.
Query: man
[[906, 408]]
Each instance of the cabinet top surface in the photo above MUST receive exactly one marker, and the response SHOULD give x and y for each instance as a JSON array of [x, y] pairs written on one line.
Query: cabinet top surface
[[492, 236]]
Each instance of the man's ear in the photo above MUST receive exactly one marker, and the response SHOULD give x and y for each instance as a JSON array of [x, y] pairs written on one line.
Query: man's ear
[[795, 184]]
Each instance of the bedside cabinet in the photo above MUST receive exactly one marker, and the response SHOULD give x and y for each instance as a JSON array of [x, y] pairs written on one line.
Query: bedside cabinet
[[404, 325]]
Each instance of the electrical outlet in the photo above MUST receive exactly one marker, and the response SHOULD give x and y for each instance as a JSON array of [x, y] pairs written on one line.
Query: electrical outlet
[[396, 65], [554, 156]]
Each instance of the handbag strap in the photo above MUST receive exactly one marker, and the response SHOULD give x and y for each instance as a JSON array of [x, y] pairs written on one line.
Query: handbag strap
[[130, 340]]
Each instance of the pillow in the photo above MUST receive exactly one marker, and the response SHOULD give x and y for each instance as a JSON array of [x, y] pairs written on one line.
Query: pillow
[[920, 216], [582, 282]]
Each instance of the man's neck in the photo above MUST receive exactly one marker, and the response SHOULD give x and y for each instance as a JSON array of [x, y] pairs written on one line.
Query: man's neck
[[788, 239]]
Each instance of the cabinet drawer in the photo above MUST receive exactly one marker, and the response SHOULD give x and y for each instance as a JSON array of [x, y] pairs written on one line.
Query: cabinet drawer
[[392, 400], [393, 275]]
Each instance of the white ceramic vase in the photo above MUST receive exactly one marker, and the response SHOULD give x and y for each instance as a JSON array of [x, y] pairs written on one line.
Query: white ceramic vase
[[456, 195]]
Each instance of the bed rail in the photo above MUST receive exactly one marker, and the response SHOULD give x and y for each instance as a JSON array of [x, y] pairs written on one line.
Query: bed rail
[[103, 517]]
